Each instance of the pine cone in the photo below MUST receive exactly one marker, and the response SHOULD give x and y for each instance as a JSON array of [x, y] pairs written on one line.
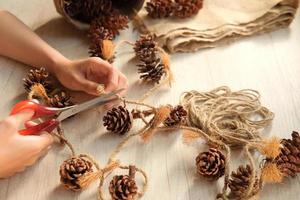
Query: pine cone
[[187, 8], [37, 76], [159, 8], [151, 71], [288, 161], [95, 50], [177, 116], [72, 169], [240, 182], [211, 164], [114, 22], [146, 48], [123, 187], [97, 33], [60, 100], [118, 120]]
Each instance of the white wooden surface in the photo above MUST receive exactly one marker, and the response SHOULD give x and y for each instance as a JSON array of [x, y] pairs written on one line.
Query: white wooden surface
[[269, 63]]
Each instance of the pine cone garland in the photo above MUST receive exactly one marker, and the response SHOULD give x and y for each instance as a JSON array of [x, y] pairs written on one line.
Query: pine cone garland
[[118, 120], [177, 116], [159, 8], [60, 100], [72, 169], [211, 164], [240, 182], [123, 187], [146, 48], [151, 71], [288, 161], [37, 76], [187, 8]]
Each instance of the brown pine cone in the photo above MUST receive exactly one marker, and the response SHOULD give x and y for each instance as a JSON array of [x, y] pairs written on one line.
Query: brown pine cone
[[159, 8], [177, 116], [187, 8], [151, 71], [60, 100], [288, 160], [118, 120], [72, 169], [211, 164], [97, 33], [95, 50], [114, 22], [123, 187], [240, 182], [146, 47], [37, 76]]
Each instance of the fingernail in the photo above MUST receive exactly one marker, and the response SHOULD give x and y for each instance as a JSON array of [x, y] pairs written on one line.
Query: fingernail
[[100, 89]]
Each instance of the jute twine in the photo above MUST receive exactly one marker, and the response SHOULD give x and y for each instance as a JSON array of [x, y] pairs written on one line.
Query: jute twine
[[232, 117]]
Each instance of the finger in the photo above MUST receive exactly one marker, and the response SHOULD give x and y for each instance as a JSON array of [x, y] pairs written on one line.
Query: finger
[[20, 169], [30, 124], [99, 65], [45, 140], [38, 142], [123, 83], [112, 83], [22, 116], [90, 87]]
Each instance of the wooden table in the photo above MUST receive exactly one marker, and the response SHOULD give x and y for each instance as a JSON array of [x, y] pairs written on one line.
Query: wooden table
[[269, 63]]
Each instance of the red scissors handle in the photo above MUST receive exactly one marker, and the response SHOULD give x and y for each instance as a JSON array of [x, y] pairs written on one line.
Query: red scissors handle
[[39, 112], [47, 126]]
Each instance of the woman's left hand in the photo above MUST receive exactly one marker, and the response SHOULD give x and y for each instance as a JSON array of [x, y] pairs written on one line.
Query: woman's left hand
[[86, 75]]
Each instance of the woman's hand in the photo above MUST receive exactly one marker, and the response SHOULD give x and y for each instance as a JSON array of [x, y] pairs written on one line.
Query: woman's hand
[[16, 151], [86, 75]]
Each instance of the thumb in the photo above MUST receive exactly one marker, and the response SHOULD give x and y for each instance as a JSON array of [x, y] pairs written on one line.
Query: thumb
[[91, 87]]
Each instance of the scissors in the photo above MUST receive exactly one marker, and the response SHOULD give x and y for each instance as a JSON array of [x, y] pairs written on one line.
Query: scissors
[[57, 115]]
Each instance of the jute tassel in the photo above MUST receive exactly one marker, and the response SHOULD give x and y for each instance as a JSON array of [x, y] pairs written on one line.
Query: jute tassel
[[108, 49], [87, 179], [167, 63], [271, 174], [40, 91], [270, 147], [189, 136], [161, 114]]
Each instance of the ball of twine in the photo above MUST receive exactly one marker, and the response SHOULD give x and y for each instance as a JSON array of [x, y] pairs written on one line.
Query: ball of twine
[[232, 117]]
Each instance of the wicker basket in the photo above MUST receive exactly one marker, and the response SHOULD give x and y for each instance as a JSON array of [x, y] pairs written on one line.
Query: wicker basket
[[129, 9]]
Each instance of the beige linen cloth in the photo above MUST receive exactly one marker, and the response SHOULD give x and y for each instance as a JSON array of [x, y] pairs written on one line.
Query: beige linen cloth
[[219, 22]]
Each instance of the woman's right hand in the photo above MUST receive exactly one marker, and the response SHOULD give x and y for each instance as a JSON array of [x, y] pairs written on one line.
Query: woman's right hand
[[16, 151]]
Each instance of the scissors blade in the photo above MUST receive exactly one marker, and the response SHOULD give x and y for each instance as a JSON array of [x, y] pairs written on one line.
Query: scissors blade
[[88, 105]]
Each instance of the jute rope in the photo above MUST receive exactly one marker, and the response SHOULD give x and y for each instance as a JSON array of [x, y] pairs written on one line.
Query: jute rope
[[227, 116]]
